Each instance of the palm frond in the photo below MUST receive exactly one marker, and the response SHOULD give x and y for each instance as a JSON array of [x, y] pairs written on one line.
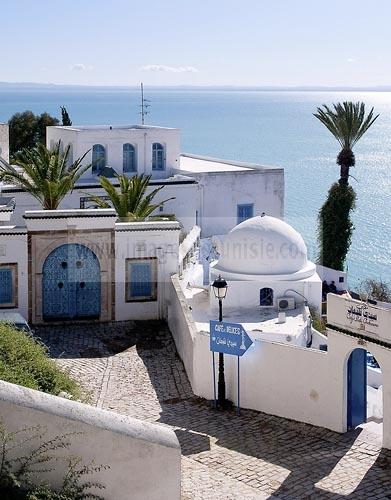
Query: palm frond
[[44, 173], [130, 199], [346, 121]]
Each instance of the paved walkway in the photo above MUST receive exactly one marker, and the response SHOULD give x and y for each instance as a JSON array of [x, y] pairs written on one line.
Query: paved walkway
[[133, 368]]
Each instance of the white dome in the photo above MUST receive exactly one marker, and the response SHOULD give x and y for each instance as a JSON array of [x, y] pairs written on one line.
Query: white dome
[[263, 246]]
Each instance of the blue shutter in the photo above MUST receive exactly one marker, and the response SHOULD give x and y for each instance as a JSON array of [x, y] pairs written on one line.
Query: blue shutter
[[6, 286], [245, 212], [140, 279]]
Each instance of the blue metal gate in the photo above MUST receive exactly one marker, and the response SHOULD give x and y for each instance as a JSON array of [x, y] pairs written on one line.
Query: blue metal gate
[[71, 283], [357, 388]]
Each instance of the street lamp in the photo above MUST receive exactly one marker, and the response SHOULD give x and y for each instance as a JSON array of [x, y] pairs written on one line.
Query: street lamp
[[220, 290]]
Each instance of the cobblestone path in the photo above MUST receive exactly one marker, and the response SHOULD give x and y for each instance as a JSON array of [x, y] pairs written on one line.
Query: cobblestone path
[[133, 368]]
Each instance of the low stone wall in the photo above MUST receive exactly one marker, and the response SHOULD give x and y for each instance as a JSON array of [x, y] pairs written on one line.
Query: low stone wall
[[143, 458]]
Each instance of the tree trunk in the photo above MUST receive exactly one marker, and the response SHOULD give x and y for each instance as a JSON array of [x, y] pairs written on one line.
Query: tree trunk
[[344, 175], [345, 160]]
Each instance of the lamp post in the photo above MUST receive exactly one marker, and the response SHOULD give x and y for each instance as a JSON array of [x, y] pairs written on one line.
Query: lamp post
[[220, 290]]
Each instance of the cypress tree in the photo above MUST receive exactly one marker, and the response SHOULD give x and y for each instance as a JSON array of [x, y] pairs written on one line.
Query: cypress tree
[[66, 121], [335, 226]]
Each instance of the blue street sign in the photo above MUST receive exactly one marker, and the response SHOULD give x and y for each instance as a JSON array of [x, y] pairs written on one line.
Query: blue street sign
[[229, 338]]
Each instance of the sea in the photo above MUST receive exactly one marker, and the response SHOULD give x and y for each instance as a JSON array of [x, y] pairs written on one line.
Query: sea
[[265, 127]]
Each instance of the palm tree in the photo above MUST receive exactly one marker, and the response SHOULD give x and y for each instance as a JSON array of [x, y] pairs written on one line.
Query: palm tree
[[44, 173], [348, 123], [130, 201]]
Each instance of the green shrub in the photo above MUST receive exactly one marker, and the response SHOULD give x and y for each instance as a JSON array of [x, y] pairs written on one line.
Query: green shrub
[[23, 476], [318, 322], [376, 289], [25, 361]]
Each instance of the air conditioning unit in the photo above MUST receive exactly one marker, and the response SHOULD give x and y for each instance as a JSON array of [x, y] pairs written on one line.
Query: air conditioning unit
[[286, 303]]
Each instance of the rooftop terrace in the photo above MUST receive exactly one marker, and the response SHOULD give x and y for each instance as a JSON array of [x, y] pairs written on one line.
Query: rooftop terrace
[[260, 323], [205, 164]]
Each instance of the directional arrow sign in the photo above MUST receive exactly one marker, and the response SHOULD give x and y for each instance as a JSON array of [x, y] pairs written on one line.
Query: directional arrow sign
[[229, 338]]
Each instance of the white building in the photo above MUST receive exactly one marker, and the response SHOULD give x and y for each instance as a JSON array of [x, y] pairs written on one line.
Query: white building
[[126, 149], [211, 193], [82, 265]]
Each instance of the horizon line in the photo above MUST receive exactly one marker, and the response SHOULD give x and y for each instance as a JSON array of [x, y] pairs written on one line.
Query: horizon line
[[309, 88]]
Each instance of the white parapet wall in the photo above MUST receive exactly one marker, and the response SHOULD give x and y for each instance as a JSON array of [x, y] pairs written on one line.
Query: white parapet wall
[[183, 329], [327, 274], [143, 458]]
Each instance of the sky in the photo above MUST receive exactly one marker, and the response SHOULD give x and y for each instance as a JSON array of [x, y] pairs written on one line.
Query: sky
[[197, 42]]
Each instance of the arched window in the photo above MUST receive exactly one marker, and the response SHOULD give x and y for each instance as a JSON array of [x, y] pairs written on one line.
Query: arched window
[[129, 158], [158, 162], [98, 158], [266, 297]]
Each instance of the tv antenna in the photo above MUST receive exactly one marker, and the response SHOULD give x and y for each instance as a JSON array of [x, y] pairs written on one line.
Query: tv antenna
[[144, 106]]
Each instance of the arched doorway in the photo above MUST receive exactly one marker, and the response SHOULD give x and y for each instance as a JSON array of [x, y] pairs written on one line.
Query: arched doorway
[[71, 283], [364, 389]]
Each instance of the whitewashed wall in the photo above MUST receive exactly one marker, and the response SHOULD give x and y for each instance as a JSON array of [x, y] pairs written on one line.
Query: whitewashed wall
[[82, 140], [144, 458], [13, 250], [221, 192], [341, 346], [184, 205], [245, 294], [141, 240], [183, 329], [329, 275]]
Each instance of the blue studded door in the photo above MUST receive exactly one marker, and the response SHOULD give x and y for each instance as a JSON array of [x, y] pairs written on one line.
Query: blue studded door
[[357, 388], [71, 284]]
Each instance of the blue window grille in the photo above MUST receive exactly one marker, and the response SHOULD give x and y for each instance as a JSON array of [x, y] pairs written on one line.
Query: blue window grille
[[158, 161], [141, 280], [266, 296], [7, 287], [129, 158], [245, 212], [98, 158]]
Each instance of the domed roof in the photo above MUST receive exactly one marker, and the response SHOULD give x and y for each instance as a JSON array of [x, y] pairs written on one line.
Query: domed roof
[[263, 245]]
